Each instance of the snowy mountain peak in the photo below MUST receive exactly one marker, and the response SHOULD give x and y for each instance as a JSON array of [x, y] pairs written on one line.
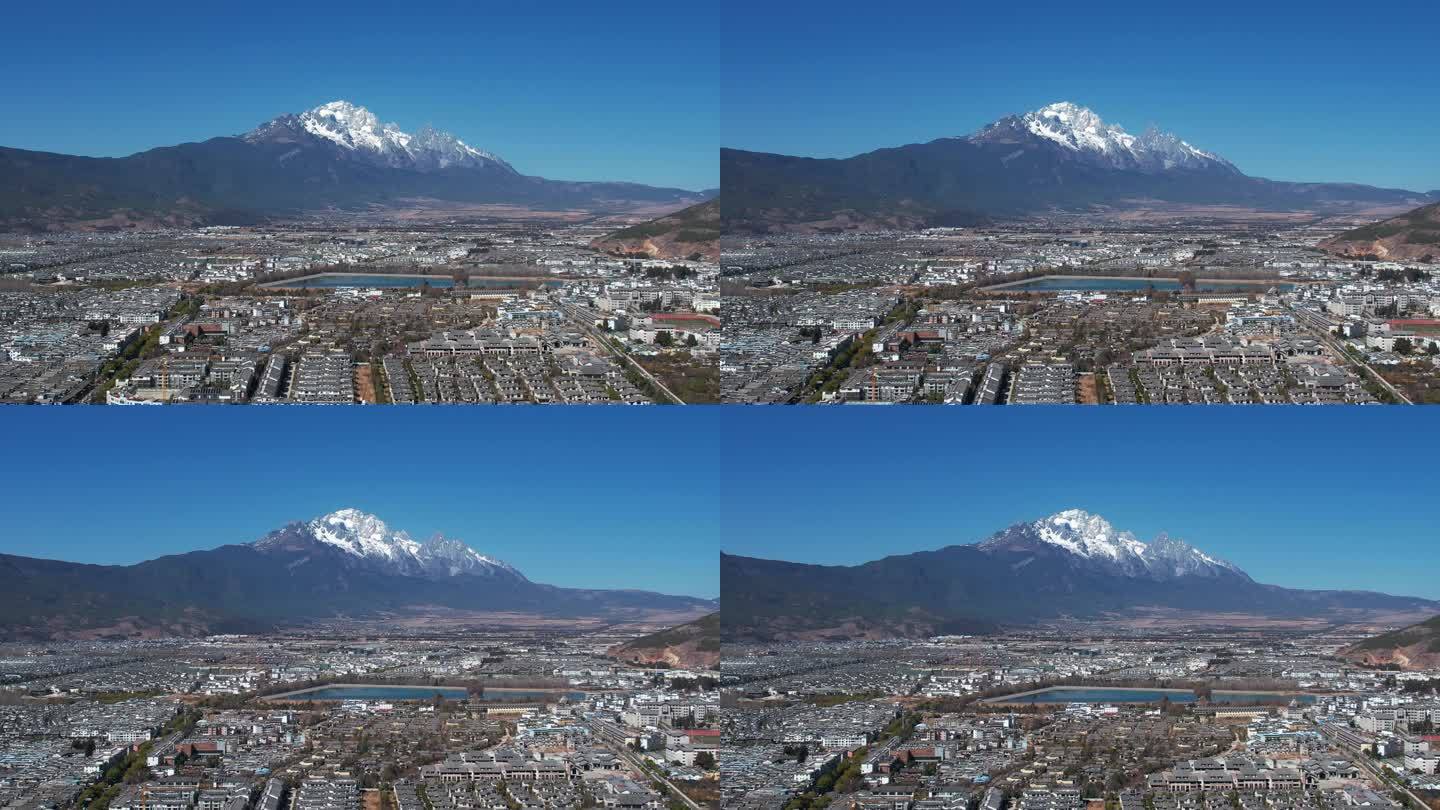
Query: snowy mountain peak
[[1069, 117], [359, 133], [1065, 109], [366, 541], [344, 114], [451, 557], [445, 150], [1171, 152], [1077, 128], [1083, 134], [363, 535], [356, 128], [1096, 543], [1087, 535], [341, 109]]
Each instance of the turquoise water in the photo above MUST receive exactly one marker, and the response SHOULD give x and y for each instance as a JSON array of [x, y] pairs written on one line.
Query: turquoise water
[[1053, 284], [1080, 694], [327, 281], [383, 692]]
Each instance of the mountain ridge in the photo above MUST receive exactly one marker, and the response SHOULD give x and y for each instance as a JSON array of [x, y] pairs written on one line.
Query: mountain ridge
[[1096, 541], [1412, 236], [1021, 165], [372, 542], [1412, 648], [1016, 577], [691, 232], [689, 646], [359, 132], [283, 169], [1080, 130], [288, 578]]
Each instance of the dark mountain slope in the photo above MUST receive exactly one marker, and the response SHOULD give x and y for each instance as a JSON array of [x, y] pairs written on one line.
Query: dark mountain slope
[[1416, 647], [1058, 158], [281, 169], [1016, 577], [1413, 236], [284, 579], [692, 645], [694, 231]]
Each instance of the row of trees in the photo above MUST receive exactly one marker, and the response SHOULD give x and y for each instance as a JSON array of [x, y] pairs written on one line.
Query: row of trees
[[1404, 346], [665, 340]]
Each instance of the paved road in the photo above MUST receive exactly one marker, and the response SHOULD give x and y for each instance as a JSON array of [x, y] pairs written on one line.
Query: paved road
[[1374, 375], [579, 318], [1361, 759], [1329, 340], [674, 791]]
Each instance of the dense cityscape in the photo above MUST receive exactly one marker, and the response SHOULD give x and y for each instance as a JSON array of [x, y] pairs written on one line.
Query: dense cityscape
[[1191, 720], [500, 718], [1075, 312], [524, 313], [218, 593]]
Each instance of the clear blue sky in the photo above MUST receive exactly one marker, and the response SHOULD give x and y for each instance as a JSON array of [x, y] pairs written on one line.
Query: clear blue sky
[[565, 90], [1287, 90], [1306, 497], [581, 497]]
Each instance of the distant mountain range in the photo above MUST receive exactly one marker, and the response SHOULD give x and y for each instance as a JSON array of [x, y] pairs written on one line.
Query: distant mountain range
[[1070, 565], [335, 156], [1412, 236], [694, 645], [1062, 157], [691, 233], [1415, 647], [347, 564]]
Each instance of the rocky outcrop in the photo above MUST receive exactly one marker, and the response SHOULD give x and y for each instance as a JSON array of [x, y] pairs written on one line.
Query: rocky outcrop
[[1416, 647], [1409, 237], [690, 233], [695, 645]]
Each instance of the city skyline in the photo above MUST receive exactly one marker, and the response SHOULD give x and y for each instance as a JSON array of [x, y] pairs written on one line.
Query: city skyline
[[496, 484], [1094, 555], [538, 90], [1268, 93], [1280, 514]]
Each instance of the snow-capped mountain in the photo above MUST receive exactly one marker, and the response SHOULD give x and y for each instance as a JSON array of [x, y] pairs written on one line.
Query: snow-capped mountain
[[1070, 566], [1097, 544], [1079, 131], [346, 565], [435, 149], [337, 157], [366, 540], [359, 133]]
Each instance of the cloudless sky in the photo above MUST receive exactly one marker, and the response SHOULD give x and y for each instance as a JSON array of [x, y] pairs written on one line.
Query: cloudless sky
[[567, 90], [1284, 89], [580, 497], [1305, 497]]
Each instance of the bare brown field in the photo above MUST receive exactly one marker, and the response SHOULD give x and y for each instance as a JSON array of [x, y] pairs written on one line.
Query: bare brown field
[[435, 618], [422, 210], [365, 383], [1167, 619]]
